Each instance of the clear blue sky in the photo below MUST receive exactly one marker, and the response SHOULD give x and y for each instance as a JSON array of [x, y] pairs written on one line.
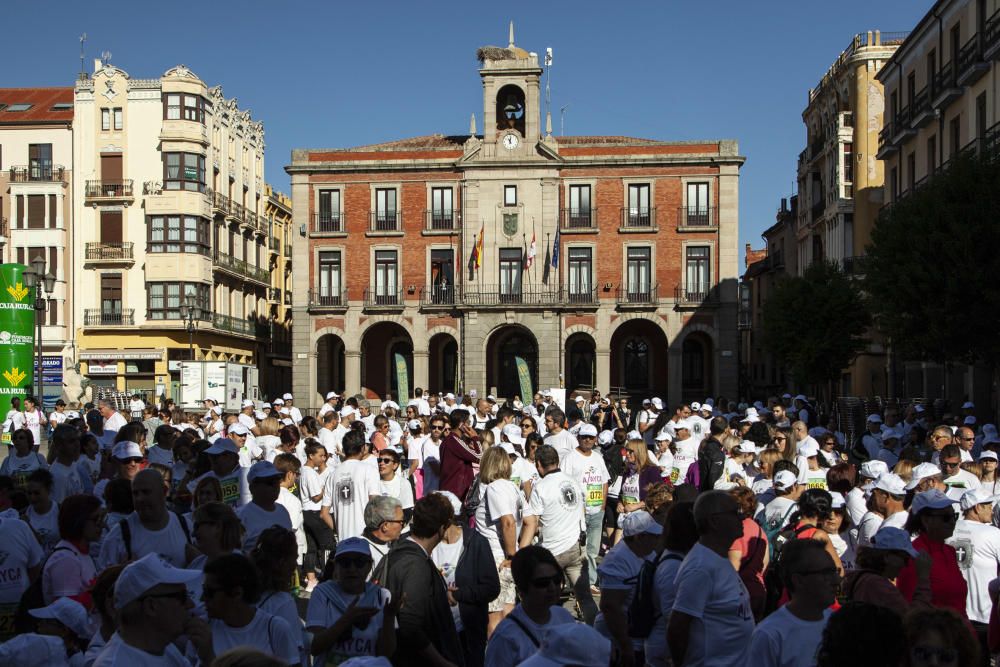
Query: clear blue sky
[[331, 74]]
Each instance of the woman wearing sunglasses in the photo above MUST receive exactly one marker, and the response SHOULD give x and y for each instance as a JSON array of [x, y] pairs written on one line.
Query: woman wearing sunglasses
[[391, 482], [349, 616]]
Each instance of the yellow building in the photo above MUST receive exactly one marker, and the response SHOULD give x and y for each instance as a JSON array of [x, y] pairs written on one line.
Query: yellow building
[[172, 244], [276, 372], [840, 177]]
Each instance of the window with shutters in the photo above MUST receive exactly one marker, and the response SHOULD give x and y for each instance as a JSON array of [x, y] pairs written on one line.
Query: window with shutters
[[36, 211]]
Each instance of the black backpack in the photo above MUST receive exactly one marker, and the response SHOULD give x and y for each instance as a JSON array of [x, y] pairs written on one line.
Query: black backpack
[[642, 613], [772, 577], [471, 501]]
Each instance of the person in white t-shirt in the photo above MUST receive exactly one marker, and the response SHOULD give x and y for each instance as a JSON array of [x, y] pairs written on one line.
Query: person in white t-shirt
[[558, 437], [391, 480], [617, 573], [648, 416], [42, 513], [66, 477], [557, 500], [977, 545], [33, 419], [787, 490], [349, 488], [328, 436], [229, 592], [791, 636], [430, 454], [58, 416], [263, 511], [589, 470], [522, 471], [113, 420], [21, 567], [22, 459], [711, 621], [539, 582]]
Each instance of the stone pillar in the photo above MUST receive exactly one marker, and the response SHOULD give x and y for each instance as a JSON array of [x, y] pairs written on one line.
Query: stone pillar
[[352, 372], [421, 370], [303, 351], [602, 379]]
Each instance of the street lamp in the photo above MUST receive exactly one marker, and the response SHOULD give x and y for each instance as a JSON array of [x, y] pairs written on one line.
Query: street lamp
[[43, 284], [190, 313]]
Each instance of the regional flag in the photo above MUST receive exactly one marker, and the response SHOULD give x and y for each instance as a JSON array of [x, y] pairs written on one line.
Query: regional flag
[[529, 258]]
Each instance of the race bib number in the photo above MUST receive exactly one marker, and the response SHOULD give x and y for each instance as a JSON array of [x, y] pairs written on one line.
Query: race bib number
[[7, 612], [231, 491], [675, 473], [595, 495], [817, 483]]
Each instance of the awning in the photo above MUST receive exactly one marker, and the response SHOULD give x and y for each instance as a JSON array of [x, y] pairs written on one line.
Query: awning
[[121, 354]]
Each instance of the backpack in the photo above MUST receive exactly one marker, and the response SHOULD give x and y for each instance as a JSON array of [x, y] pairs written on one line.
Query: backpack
[[32, 598], [642, 613], [774, 531], [772, 577], [127, 533], [471, 501]]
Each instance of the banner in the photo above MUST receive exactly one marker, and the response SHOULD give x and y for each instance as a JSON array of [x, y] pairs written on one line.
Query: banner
[[524, 378], [402, 379], [17, 337]]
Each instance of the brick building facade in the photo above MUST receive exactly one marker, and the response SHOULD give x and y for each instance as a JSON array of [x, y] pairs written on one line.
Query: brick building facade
[[632, 286]]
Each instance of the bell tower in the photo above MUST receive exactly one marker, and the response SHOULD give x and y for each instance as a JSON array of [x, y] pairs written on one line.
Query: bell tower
[[511, 92]]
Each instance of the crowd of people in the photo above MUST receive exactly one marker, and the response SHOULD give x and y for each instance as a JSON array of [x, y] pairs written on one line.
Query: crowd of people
[[469, 531]]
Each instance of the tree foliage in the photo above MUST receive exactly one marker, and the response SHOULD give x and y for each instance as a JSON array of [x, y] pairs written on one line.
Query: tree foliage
[[933, 268], [816, 324]]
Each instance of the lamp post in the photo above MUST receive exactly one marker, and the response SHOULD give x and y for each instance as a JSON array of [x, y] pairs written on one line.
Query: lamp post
[[190, 313], [43, 285]]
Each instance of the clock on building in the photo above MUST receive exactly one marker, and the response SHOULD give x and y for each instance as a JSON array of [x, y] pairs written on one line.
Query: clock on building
[[510, 141]]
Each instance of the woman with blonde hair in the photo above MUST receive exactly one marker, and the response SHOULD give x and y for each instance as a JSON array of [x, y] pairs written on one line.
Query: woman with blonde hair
[[639, 473], [268, 439], [499, 518], [904, 468]]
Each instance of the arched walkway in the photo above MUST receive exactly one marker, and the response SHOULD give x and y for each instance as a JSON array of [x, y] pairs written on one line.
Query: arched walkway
[[329, 364], [380, 373], [504, 347], [639, 358], [580, 363], [443, 363], [696, 367]]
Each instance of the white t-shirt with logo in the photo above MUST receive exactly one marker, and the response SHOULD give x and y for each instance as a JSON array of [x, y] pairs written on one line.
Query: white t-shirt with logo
[[686, 454], [592, 474], [785, 639], [19, 467], [347, 492], [66, 481], [328, 603], [170, 542], [235, 488], [711, 592], [446, 556], [557, 501], [266, 632], [46, 526], [497, 499], [33, 422], [119, 654], [399, 488], [22, 553], [977, 547], [776, 513], [256, 519], [522, 470]]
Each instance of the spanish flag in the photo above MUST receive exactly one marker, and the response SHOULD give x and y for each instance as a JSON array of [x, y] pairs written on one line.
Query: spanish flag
[[476, 260]]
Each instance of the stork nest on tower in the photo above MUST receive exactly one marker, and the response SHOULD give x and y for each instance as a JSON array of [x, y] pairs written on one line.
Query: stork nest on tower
[[485, 53]]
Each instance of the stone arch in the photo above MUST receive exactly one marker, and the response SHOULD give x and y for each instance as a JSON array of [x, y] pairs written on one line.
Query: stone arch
[[406, 324], [640, 352], [580, 362], [568, 332], [501, 369], [379, 342]]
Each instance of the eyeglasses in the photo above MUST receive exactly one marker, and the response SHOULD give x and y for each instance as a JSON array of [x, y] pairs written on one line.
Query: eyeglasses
[[545, 582], [132, 459], [386, 461], [942, 656], [401, 522], [180, 596], [967, 439], [950, 464], [780, 438]]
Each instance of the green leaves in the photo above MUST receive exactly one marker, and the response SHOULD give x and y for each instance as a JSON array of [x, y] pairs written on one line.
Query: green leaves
[[816, 324]]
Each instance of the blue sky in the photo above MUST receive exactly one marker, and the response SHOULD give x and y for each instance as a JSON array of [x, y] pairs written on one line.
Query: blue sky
[[323, 75]]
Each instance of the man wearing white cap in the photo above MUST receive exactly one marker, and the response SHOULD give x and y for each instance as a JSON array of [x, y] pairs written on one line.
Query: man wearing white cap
[[263, 511], [711, 621], [776, 513], [685, 450], [293, 411], [246, 414], [216, 425], [150, 529], [449, 403], [154, 610], [647, 417], [590, 471], [872, 439], [330, 404], [887, 508], [977, 546], [557, 501], [891, 446], [225, 457]]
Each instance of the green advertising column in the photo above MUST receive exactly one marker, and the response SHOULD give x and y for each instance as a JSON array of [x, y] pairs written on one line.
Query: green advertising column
[[17, 337]]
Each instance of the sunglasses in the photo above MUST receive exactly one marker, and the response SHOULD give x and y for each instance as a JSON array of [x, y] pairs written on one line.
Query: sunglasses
[[387, 461], [132, 459], [950, 464], [545, 582], [436, 427], [353, 561], [527, 425]]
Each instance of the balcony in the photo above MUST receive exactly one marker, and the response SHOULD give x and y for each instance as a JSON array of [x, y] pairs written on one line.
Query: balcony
[[238, 212], [580, 297], [578, 220], [946, 88], [695, 294], [901, 125], [38, 173], [383, 299], [971, 64], [220, 202], [100, 252], [274, 294], [886, 147], [274, 246], [505, 296], [236, 325], [638, 219], [241, 269], [697, 217], [639, 297], [328, 223], [95, 317], [330, 300], [108, 191], [922, 111], [288, 251], [288, 298], [252, 220], [382, 222], [442, 221], [744, 320], [991, 37], [438, 296]]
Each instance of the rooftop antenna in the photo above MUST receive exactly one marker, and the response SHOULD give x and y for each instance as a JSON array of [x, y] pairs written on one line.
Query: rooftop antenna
[[105, 57], [562, 120], [510, 37], [83, 72]]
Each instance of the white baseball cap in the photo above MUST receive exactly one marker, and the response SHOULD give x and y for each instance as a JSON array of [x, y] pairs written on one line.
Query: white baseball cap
[[663, 435], [746, 447], [278, 401], [449, 396], [390, 404], [287, 396], [146, 573], [580, 399], [975, 497], [217, 410], [508, 447], [969, 421], [634, 435], [785, 480], [414, 425], [890, 538], [874, 468], [989, 454], [247, 403], [968, 405], [126, 450], [657, 403], [839, 502], [68, 612], [265, 406], [456, 504], [347, 411], [571, 644], [933, 499], [891, 483], [920, 473], [695, 406], [259, 415], [238, 429], [587, 430], [221, 446], [874, 419], [332, 394], [802, 397], [638, 522], [513, 434], [605, 437]]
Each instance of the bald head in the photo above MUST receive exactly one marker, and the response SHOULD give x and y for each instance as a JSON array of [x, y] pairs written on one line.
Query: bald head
[[965, 438], [149, 496]]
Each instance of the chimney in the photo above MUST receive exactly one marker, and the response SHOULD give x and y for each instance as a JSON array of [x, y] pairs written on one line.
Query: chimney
[[97, 65]]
